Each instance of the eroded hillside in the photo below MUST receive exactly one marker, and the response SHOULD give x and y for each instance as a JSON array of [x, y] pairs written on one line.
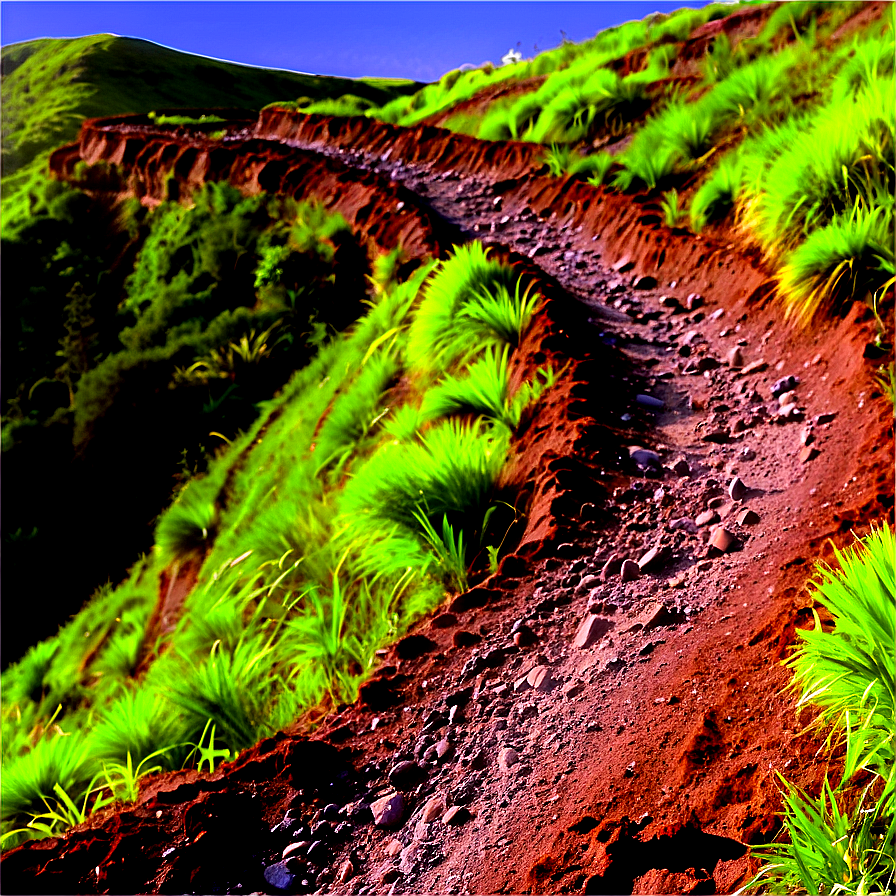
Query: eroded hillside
[[523, 544]]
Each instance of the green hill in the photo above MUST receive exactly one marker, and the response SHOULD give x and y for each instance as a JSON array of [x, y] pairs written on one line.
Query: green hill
[[49, 86]]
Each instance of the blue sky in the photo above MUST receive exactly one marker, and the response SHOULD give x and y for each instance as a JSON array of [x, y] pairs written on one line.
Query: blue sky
[[414, 39]]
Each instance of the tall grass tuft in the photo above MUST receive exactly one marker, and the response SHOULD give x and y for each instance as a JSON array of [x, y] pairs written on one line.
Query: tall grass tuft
[[483, 390], [444, 328], [848, 258], [717, 194], [188, 526], [842, 841]]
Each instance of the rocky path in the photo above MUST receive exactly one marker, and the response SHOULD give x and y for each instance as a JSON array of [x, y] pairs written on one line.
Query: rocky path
[[610, 719], [608, 715]]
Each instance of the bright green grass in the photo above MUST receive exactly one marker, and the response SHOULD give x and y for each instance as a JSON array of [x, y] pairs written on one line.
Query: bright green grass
[[842, 840]]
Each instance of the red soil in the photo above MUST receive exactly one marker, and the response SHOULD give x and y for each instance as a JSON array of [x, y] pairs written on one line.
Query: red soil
[[646, 756]]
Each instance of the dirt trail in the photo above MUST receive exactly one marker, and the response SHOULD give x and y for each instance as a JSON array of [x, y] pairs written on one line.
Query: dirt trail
[[607, 713]]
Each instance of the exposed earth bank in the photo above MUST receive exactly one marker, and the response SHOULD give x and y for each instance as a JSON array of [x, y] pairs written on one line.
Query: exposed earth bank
[[607, 713]]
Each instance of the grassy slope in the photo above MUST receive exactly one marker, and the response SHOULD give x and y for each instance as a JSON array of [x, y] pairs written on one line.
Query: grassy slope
[[49, 86]]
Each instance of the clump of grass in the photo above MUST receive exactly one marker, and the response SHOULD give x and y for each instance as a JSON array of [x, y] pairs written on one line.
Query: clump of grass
[[648, 161], [849, 257], [483, 390], [717, 194], [188, 526], [447, 324], [673, 211], [451, 470], [842, 841]]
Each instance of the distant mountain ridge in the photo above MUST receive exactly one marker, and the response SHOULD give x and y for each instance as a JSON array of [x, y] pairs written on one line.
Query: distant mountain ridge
[[49, 86]]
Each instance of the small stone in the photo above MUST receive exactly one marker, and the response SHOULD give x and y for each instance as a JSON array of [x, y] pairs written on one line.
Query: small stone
[[807, 436], [707, 362], [611, 567], [785, 384], [592, 628], [540, 678], [630, 770], [828, 417], [748, 454], [748, 518], [807, 453], [524, 637], [684, 524], [707, 518], [681, 467], [737, 490], [645, 282], [693, 301], [723, 540], [735, 358], [456, 815], [388, 811], [279, 877], [786, 398], [717, 314], [629, 571], [669, 302], [648, 401], [394, 848], [433, 809], [318, 853], [406, 775], [754, 367], [346, 872], [572, 689], [653, 559], [623, 264], [507, 758], [294, 848], [444, 620], [644, 458]]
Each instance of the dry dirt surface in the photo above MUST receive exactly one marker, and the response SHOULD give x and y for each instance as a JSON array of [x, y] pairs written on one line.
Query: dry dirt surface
[[608, 712]]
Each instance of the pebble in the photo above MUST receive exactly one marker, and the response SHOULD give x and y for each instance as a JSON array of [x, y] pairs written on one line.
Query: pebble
[[681, 467], [540, 678], [433, 809], [748, 518], [707, 518], [644, 458], [591, 628], [394, 848], [279, 877], [653, 559], [648, 401], [737, 490], [406, 775], [735, 358], [694, 300], [723, 540], [611, 567], [346, 872], [456, 815], [785, 384], [629, 571], [524, 637], [645, 282], [507, 758], [388, 811], [821, 419], [786, 398], [807, 453], [754, 367]]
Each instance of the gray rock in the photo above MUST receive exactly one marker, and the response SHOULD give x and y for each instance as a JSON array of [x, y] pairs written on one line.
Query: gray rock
[[540, 678], [644, 458], [629, 571], [645, 282], [279, 877], [785, 384], [648, 401], [684, 524], [388, 811]]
